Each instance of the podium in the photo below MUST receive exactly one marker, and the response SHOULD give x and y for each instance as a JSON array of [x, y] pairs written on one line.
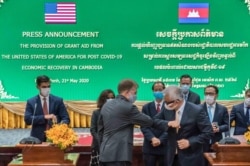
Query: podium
[[230, 154], [44, 155]]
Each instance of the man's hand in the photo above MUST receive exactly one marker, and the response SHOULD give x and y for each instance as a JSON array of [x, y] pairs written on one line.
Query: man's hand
[[155, 142], [174, 124], [215, 128], [183, 144], [51, 117]]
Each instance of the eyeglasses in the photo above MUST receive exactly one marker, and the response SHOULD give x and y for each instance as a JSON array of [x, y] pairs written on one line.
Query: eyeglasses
[[170, 102], [209, 93]]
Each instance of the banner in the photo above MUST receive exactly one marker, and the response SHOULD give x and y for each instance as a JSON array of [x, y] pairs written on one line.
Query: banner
[[87, 46]]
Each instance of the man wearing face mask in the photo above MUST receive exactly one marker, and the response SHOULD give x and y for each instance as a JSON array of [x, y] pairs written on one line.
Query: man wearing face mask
[[44, 109], [188, 129], [116, 124], [188, 95], [240, 114], [155, 140], [218, 115]]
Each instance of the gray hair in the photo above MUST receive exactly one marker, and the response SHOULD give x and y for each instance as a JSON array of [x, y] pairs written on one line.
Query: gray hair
[[174, 92]]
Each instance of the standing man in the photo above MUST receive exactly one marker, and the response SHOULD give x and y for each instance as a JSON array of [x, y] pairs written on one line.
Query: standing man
[[44, 109], [188, 129], [240, 114], [218, 115], [188, 95], [155, 141], [116, 125]]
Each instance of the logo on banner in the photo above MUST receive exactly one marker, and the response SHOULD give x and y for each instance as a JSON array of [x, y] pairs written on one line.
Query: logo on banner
[[60, 13], [194, 13]]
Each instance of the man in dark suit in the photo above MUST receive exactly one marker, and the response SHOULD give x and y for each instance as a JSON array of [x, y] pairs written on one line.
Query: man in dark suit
[[240, 114], [155, 141], [116, 125], [188, 95], [44, 109], [218, 115], [188, 129]]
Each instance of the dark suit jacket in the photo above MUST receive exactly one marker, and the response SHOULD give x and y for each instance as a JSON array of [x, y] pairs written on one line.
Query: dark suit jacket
[[194, 126], [117, 121], [193, 98], [94, 130], [237, 114], [220, 116], [149, 132], [56, 107]]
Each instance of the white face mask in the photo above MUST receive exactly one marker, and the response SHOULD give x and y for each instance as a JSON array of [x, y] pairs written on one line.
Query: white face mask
[[107, 100], [247, 101], [170, 106], [209, 99], [45, 91]]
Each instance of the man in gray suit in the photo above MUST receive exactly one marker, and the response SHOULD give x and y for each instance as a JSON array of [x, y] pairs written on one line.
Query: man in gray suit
[[116, 125], [188, 129], [188, 95]]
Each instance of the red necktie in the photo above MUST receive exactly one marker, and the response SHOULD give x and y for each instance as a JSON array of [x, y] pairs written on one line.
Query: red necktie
[[45, 111], [158, 109]]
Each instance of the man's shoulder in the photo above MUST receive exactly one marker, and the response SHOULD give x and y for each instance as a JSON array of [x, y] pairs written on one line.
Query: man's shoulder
[[149, 104], [220, 106], [33, 99], [239, 106], [55, 97], [192, 93], [195, 107]]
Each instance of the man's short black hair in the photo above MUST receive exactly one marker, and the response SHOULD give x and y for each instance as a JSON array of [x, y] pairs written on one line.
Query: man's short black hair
[[41, 79]]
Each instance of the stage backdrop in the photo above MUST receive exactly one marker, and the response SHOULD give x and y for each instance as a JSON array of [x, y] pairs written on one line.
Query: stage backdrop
[[101, 42]]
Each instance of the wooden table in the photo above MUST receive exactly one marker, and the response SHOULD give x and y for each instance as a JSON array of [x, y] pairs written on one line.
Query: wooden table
[[7, 153], [72, 159], [230, 154]]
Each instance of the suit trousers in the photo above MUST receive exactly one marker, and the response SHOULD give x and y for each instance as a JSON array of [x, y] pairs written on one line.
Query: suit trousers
[[154, 160], [176, 161]]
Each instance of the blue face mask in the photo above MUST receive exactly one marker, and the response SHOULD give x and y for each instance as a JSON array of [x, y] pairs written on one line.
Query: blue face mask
[[158, 95], [132, 98], [185, 88]]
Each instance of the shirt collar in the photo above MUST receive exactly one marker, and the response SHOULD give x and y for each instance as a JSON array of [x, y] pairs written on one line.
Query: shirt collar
[[158, 103], [212, 106], [182, 106], [42, 97]]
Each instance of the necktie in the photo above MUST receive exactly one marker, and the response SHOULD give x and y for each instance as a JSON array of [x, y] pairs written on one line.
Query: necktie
[[247, 114], [186, 96], [210, 113], [177, 118], [158, 109], [45, 110]]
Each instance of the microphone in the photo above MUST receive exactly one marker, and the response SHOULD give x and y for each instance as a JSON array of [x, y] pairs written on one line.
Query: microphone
[[33, 117], [229, 139], [30, 139]]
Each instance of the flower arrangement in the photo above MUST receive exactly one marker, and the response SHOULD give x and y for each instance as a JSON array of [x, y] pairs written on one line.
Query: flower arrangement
[[62, 136], [247, 135]]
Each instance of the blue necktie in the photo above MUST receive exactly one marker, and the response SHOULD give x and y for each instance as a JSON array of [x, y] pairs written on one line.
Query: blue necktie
[[185, 97], [210, 113]]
